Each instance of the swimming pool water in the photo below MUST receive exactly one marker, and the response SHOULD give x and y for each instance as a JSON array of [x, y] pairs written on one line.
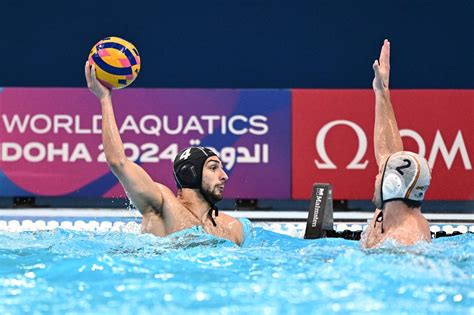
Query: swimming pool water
[[190, 272]]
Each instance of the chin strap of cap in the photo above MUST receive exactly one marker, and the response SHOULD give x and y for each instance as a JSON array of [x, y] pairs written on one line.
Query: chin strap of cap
[[209, 213], [212, 208], [379, 219]]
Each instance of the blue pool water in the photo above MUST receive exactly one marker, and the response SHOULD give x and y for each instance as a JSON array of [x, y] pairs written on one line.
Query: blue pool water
[[64, 271]]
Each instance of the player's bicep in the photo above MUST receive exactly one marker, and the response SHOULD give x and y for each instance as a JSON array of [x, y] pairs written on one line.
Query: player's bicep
[[140, 187]]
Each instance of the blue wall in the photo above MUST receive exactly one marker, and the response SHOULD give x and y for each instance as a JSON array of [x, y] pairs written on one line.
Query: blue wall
[[246, 43]]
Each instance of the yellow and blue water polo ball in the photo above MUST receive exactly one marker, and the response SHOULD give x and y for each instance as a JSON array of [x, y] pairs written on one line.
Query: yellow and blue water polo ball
[[116, 61]]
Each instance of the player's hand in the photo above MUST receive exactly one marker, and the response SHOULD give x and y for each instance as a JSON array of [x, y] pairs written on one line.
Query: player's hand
[[382, 68], [97, 88]]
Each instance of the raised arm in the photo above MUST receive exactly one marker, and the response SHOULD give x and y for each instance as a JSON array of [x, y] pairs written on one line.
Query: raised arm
[[387, 138], [140, 188]]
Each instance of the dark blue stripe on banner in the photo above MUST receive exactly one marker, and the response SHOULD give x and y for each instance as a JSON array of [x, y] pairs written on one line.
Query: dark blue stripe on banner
[[110, 69], [122, 48], [97, 187], [9, 188]]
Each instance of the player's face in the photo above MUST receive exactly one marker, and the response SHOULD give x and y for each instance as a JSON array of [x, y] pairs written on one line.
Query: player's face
[[214, 178]]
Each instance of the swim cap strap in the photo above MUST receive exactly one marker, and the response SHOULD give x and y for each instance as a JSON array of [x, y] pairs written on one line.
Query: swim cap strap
[[209, 213], [379, 219]]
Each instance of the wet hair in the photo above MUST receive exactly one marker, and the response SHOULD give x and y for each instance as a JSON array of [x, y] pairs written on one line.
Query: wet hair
[[412, 203]]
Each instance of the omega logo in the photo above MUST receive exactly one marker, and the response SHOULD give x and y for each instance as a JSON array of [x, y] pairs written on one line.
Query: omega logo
[[358, 162]]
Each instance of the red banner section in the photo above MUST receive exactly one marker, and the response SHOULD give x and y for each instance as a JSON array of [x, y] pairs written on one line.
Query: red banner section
[[332, 140]]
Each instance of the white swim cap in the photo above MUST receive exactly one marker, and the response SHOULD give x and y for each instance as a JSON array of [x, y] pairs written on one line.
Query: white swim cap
[[406, 176]]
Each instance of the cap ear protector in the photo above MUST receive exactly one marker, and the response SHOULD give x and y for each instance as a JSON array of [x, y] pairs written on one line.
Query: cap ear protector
[[187, 175], [392, 185]]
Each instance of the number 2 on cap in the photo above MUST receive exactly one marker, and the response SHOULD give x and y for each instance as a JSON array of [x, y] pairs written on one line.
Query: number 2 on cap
[[399, 169]]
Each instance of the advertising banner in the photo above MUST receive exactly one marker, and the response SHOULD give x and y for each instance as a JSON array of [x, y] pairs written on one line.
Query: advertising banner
[[50, 138], [332, 140]]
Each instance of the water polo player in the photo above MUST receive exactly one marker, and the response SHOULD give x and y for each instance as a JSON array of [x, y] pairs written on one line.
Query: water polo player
[[403, 176], [198, 172]]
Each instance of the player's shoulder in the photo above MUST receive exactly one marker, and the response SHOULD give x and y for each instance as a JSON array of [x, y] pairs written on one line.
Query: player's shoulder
[[227, 219], [170, 203], [233, 224], [164, 189]]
